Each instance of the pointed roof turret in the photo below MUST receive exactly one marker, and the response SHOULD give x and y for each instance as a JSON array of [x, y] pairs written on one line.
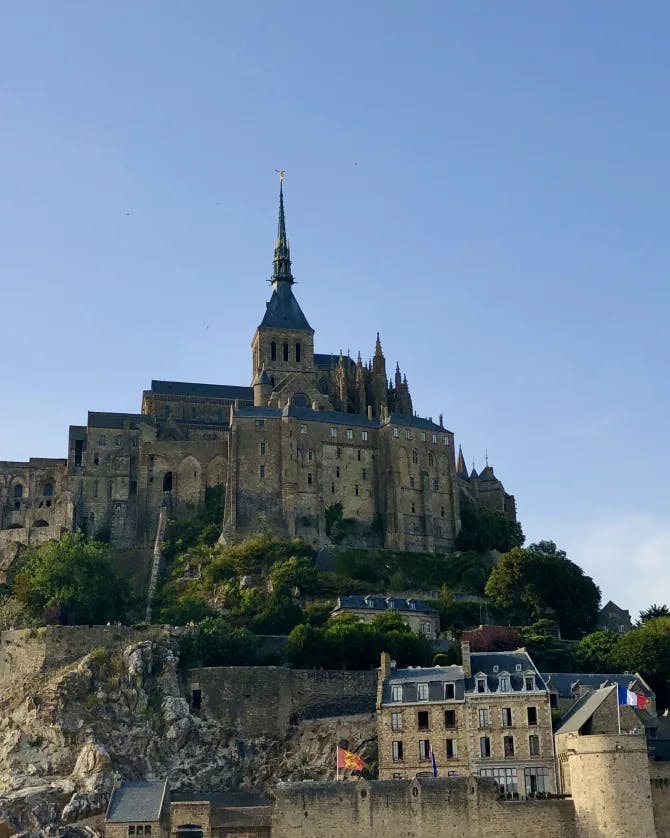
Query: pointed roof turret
[[461, 468], [282, 258], [473, 473], [283, 310]]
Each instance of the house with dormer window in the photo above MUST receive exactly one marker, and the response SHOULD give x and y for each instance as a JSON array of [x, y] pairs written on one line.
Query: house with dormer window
[[490, 717], [419, 616]]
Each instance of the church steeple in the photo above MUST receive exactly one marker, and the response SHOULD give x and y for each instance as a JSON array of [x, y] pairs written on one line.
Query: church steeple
[[282, 258]]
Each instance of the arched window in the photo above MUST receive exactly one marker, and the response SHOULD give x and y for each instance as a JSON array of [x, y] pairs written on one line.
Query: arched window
[[286, 351], [18, 491], [167, 481], [189, 830], [48, 490], [273, 351], [415, 456], [300, 400], [40, 523], [298, 352]]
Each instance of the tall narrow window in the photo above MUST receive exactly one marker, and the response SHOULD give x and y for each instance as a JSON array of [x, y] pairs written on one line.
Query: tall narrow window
[[396, 721], [48, 490], [167, 481], [534, 745], [273, 351], [309, 478], [532, 715], [286, 351], [422, 692], [484, 747], [449, 718], [298, 353], [452, 749], [356, 489], [507, 717], [422, 719], [133, 487], [424, 750], [78, 451], [18, 491], [261, 472], [508, 745], [396, 749], [262, 449]]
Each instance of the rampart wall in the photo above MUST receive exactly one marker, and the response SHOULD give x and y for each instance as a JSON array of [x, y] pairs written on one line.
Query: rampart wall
[[267, 700], [453, 808]]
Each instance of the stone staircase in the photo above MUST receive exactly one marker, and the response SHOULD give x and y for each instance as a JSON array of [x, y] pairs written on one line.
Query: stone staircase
[[157, 558]]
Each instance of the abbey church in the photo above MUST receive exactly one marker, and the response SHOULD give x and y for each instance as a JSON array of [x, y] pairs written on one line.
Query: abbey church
[[314, 437]]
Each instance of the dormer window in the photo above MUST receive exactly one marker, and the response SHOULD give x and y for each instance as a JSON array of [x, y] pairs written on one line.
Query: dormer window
[[481, 685], [449, 690], [518, 667], [422, 692], [412, 604], [396, 692], [504, 684], [529, 682], [496, 669]]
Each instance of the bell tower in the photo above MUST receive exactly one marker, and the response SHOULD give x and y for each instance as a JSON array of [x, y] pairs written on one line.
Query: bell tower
[[283, 344]]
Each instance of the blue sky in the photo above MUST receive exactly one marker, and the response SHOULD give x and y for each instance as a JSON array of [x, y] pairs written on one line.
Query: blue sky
[[484, 183]]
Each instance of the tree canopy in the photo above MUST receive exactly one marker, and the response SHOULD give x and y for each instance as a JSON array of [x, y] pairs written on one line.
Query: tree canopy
[[530, 582], [70, 582], [347, 643], [483, 530], [652, 613], [647, 650]]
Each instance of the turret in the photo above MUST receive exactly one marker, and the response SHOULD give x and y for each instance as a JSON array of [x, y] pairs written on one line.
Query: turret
[[262, 388]]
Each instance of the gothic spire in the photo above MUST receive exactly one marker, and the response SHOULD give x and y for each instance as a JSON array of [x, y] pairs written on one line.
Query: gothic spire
[[282, 257], [461, 468]]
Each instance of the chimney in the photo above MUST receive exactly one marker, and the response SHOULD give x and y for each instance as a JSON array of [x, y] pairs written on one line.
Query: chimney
[[385, 668], [465, 655], [382, 674]]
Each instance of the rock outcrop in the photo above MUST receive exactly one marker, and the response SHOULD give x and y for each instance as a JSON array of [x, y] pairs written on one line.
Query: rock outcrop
[[120, 713]]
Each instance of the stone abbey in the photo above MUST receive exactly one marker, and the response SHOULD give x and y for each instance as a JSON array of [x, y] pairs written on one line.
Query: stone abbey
[[314, 434]]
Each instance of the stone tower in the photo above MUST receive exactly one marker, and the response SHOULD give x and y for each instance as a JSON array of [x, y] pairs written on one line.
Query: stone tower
[[284, 341]]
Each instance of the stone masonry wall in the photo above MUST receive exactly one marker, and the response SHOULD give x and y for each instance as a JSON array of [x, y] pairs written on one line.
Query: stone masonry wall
[[267, 700], [453, 808]]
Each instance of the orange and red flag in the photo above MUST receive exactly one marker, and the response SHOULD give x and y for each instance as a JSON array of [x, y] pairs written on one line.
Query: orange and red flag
[[345, 759]]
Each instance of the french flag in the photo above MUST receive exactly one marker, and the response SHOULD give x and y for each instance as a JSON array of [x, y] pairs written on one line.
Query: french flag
[[628, 697]]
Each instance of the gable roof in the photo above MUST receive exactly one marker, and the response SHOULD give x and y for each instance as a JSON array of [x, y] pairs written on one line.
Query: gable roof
[[382, 603], [201, 391], [582, 710], [140, 800], [564, 683], [117, 421]]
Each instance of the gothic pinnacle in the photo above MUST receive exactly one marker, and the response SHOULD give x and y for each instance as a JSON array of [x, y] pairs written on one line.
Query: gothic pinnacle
[[282, 257]]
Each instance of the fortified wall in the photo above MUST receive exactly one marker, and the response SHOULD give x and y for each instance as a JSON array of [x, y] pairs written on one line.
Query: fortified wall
[[453, 807], [267, 700]]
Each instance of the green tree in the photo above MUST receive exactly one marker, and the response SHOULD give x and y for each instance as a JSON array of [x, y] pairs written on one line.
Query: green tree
[[216, 643], [647, 650], [594, 653], [527, 583], [483, 530], [70, 582], [652, 613]]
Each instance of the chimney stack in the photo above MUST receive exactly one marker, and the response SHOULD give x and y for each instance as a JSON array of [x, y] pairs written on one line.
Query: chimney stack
[[465, 655]]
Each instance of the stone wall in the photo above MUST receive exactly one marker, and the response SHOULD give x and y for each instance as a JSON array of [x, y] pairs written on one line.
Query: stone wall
[[457, 808], [267, 700], [609, 780], [659, 775]]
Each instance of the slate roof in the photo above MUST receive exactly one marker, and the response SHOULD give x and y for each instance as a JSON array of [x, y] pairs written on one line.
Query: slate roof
[[201, 391], [414, 422], [258, 413], [137, 801], [434, 676], [582, 710], [506, 662], [283, 311], [330, 417], [117, 421], [326, 361], [381, 603], [564, 682]]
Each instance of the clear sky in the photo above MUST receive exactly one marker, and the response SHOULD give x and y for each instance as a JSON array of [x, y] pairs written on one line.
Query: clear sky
[[485, 183]]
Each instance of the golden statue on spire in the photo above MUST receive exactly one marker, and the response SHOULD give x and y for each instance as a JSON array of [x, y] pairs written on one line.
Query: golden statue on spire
[[281, 173]]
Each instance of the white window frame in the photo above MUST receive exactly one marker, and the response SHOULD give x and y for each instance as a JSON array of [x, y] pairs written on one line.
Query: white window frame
[[396, 433], [422, 691], [396, 721], [454, 748], [396, 692], [447, 685], [364, 436], [350, 433], [333, 432]]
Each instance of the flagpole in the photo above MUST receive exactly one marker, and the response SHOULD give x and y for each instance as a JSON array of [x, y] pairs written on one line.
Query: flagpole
[[337, 764], [618, 709]]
